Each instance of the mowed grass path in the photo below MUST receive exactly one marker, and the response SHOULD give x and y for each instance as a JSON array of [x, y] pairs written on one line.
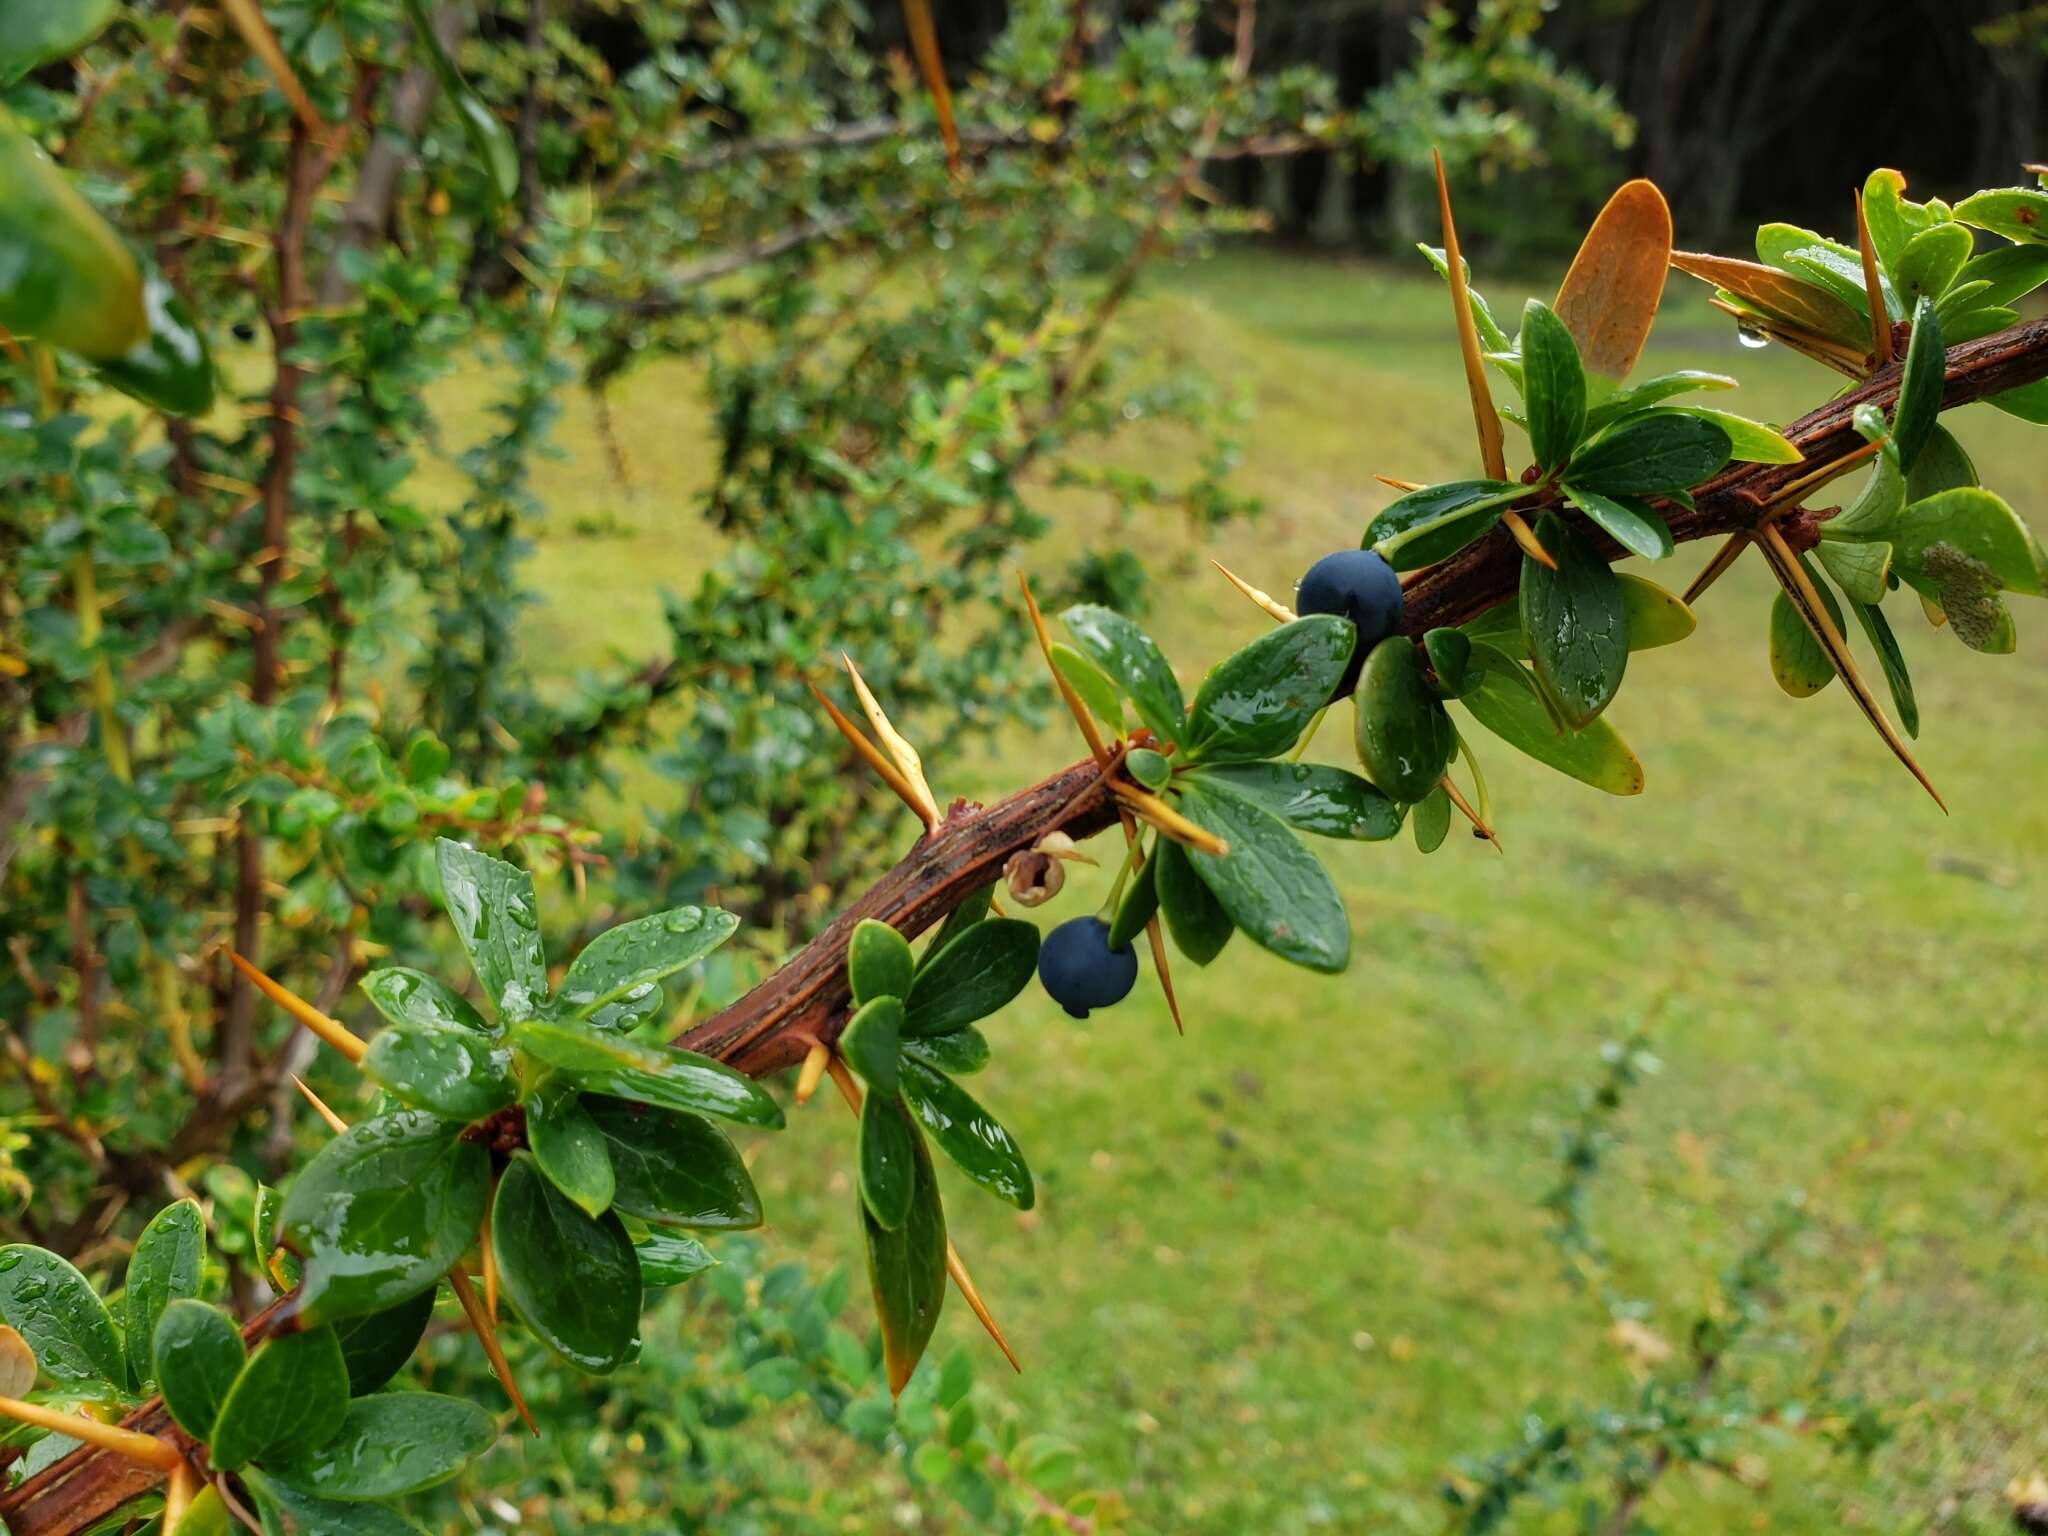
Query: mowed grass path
[[1285, 1270]]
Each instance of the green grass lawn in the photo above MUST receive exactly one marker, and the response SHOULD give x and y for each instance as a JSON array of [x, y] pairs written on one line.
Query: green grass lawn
[[1285, 1270]]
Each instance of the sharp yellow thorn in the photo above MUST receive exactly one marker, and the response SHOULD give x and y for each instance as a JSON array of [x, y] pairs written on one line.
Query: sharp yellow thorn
[[1167, 819], [1880, 318], [1834, 469], [247, 16], [964, 1282], [1526, 537], [128, 1444], [1717, 567], [870, 753], [332, 1031], [900, 751], [487, 1335], [813, 1072], [178, 1497], [1279, 612], [1492, 450], [1074, 705], [924, 42], [1478, 824], [1399, 485], [1800, 589], [489, 1257], [334, 1122], [1158, 943]]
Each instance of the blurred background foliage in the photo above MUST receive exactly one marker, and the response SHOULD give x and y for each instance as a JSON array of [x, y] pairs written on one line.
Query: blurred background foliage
[[584, 486]]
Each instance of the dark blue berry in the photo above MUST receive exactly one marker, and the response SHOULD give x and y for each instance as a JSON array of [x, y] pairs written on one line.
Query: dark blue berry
[[1080, 971], [1358, 585]]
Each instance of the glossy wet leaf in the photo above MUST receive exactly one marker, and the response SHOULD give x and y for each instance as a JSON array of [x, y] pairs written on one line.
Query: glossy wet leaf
[[878, 962], [1403, 737], [497, 156], [406, 996], [1450, 654], [1140, 901], [1432, 820], [888, 1161], [1271, 886], [974, 975], [56, 1310], [1874, 514], [2018, 213], [1630, 521], [1134, 662], [1553, 385], [1931, 261], [872, 1041], [70, 279], [1859, 569], [36, 32], [1878, 631], [1798, 661], [206, 1515], [675, 1169], [1149, 768], [1437, 521], [568, 1144], [1313, 797], [1257, 701], [1967, 526], [649, 1074], [279, 1263], [390, 1445], [907, 1270], [963, 1052], [1575, 623], [1655, 617], [625, 964], [376, 1346], [968, 1134], [1507, 703], [170, 367], [289, 1511], [2009, 273], [1196, 919], [1609, 297], [1749, 442], [1943, 465], [1804, 303], [383, 1211], [1920, 385], [1827, 263], [1659, 451], [168, 1265], [1607, 409], [497, 921], [669, 1258], [573, 1277], [1091, 685], [197, 1354], [290, 1398], [1893, 220], [456, 1073]]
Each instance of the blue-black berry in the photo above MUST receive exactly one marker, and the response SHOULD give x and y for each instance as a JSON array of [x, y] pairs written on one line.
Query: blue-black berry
[[1358, 585], [1080, 971]]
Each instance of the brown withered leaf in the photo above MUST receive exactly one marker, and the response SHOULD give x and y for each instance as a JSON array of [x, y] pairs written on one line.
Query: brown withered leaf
[[1777, 293], [1609, 297]]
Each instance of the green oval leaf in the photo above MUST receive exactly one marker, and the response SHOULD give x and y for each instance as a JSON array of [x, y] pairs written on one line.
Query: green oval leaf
[[457, 1073], [390, 1445], [574, 1278], [56, 1310], [973, 976], [1655, 617], [1269, 884], [1313, 797], [1859, 569], [1931, 261], [1798, 661], [674, 1168], [1149, 768], [1630, 521], [196, 1356], [878, 962], [497, 922], [1257, 701], [1091, 685], [1750, 442], [1920, 386], [973, 1138], [1575, 623], [2009, 273], [872, 1041], [1507, 703], [669, 1258], [497, 155], [1140, 900], [168, 1264], [289, 1399], [1665, 386], [1432, 820], [1196, 919], [627, 963], [1437, 521], [907, 1270], [888, 1161], [383, 1211], [649, 1074], [1134, 663], [288, 1511], [1553, 385], [70, 280], [36, 32], [171, 367], [569, 1146], [1403, 737], [963, 1052], [406, 996], [1976, 527], [376, 1345], [2018, 213], [1661, 450]]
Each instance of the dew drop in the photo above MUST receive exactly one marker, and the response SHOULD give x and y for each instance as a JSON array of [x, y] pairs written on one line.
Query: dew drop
[[1752, 337]]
